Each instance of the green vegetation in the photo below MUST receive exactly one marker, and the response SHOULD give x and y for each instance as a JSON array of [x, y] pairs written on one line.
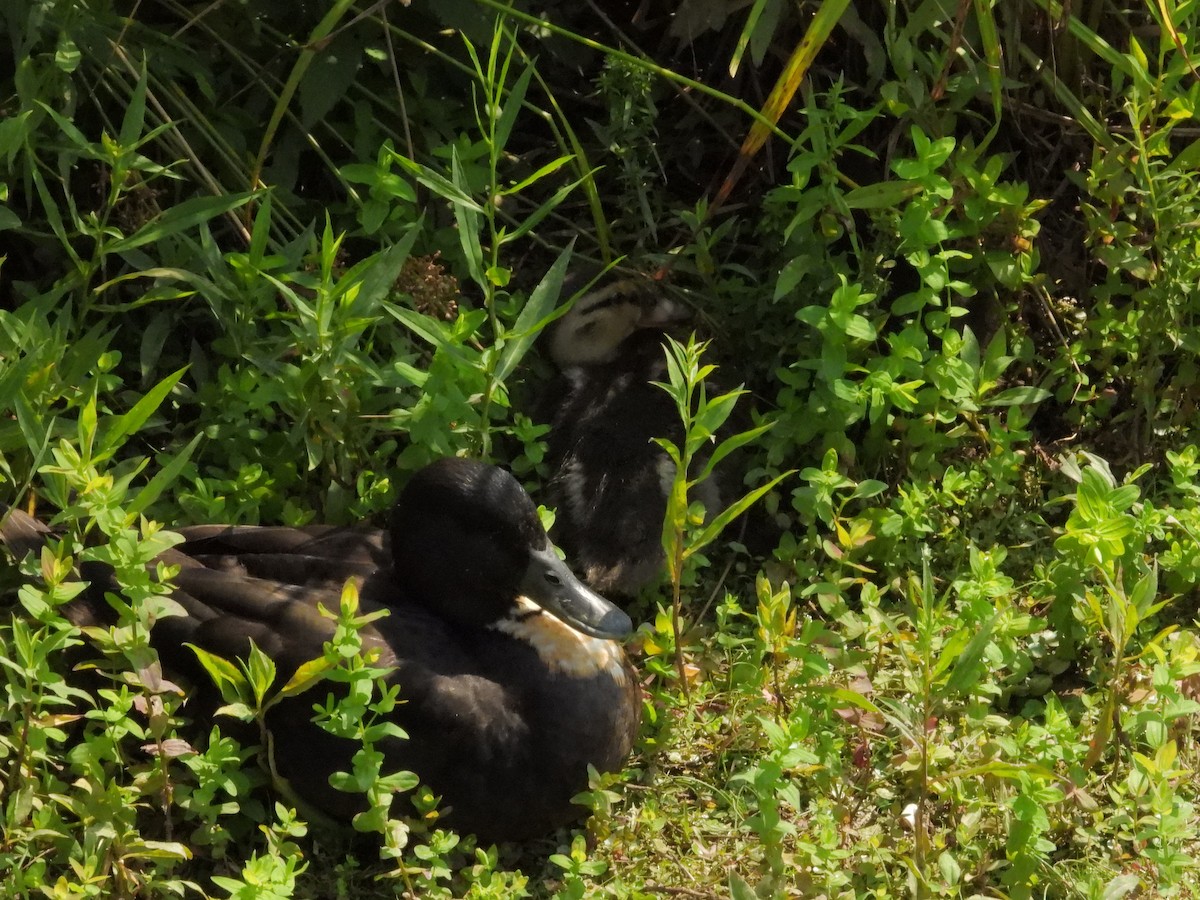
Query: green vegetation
[[261, 259]]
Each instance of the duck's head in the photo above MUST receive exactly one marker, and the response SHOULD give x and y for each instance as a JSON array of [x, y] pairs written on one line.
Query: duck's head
[[594, 328], [468, 544]]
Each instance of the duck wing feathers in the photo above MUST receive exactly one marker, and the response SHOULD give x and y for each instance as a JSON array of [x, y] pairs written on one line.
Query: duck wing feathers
[[502, 739]]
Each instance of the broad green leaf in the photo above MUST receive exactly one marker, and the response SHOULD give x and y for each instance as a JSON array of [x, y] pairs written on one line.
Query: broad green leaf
[[854, 698], [739, 888], [180, 218], [1003, 769], [1145, 592], [966, 671], [547, 169], [260, 672], [511, 108], [135, 112], [116, 433], [719, 522], [883, 195], [309, 674], [377, 275], [1018, 396], [537, 311], [1121, 886], [163, 478], [54, 218], [159, 272], [867, 489], [469, 218], [439, 184], [260, 235], [732, 443], [225, 675], [547, 207], [157, 850], [14, 131], [428, 329], [73, 134]]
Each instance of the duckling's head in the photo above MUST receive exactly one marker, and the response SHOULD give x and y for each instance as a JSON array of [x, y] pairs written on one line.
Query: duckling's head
[[467, 544], [593, 329]]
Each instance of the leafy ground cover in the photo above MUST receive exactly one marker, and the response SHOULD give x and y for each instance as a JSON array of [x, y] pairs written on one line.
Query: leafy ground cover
[[261, 259]]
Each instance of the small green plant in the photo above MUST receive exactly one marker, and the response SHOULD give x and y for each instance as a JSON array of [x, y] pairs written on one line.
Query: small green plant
[[688, 526], [271, 875], [575, 868], [478, 199], [355, 714], [360, 716], [1140, 198], [1121, 598]]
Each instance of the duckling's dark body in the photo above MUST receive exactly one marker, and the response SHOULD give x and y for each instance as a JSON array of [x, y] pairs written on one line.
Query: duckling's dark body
[[504, 703], [610, 479]]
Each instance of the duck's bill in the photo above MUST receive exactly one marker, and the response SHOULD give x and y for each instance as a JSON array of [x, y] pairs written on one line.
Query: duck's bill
[[552, 586]]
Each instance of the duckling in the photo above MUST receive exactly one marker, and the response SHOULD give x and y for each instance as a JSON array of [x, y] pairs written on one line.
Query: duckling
[[609, 480], [511, 675]]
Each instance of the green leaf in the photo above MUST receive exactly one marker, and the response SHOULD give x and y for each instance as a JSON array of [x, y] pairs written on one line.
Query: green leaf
[[163, 478], [511, 108], [439, 184], [714, 528], [883, 195], [1003, 769], [714, 413], [14, 131], [1018, 396], [225, 675], [260, 235], [867, 489], [425, 327], [1145, 592], [468, 217], [116, 433], [378, 273], [135, 112], [739, 888], [534, 316], [180, 218], [309, 674], [1121, 886], [854, 698], [543, 210], [548, 169], [732, 443], [949, 867], [260, 672], [1091, 495], [966, 667], [170, 850], [860, 328], [73, 134]]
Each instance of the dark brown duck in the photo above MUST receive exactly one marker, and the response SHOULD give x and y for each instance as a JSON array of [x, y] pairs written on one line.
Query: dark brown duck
[[511, 673]]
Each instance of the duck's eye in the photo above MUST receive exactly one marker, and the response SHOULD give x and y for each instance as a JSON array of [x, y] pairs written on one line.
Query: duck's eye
[[553, 579]]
